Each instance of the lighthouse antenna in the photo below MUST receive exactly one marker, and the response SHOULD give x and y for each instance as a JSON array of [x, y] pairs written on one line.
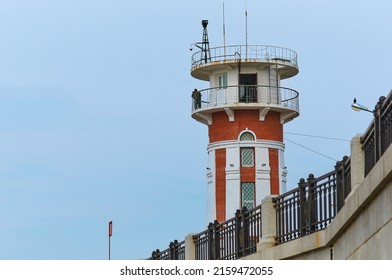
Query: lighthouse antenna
[[205, 44], [224, 31], [246, 30]]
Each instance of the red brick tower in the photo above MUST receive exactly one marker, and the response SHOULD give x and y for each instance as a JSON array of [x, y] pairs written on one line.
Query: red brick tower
[[245, 109]]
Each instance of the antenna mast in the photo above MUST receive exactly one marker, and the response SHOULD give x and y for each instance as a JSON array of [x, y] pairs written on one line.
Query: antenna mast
[[246, 31], [224, 31], [205, 44]]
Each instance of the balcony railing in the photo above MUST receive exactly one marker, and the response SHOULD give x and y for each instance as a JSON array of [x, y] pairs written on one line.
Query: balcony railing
[[242, 53], [232, 95]]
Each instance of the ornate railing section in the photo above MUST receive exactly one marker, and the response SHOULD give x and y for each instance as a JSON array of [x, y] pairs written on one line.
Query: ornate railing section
[[229, 240], [176, 251], [232, 239], [378, 136], [306, 209], [313, 204]]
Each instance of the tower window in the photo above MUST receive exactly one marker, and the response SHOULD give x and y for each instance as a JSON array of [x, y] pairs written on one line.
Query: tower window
[[247, 136], [247, 157], [223, 81], [248, 195]]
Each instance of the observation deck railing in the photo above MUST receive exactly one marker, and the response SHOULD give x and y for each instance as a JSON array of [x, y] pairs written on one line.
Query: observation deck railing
[[262, 53], [245, 94]]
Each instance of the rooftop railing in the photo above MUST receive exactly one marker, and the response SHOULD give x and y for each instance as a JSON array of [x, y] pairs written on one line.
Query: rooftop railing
[[242, 53], [245, 94]]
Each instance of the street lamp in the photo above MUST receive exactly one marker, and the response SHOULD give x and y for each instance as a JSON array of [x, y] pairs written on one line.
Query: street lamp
[[358, 107]]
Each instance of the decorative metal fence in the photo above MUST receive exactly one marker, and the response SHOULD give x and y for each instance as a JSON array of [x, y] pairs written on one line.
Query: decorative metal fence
[[378, 136], [299, 212], [232, 239], [312, 206], [176, 251], [306, 209]]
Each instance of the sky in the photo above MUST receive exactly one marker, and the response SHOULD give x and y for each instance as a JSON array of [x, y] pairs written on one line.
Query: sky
[[95, 112]]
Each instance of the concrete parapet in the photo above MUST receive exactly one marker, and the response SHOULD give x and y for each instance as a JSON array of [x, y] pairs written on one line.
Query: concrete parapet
[[268, 224], [357, 159], [190, 248]]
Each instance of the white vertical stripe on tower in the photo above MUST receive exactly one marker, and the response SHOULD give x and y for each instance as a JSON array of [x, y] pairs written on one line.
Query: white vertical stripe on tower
[[211, 185], [262, 174], [233, 198]]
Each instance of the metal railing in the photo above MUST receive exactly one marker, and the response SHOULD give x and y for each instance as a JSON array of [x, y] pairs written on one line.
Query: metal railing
[[313, 204], [272, 54], [232, 239], [378, 136], [176, 251], [242, 94], [304, 210]]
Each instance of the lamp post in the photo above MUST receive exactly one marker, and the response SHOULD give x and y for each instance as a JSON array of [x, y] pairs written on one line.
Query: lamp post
[[358, 107]]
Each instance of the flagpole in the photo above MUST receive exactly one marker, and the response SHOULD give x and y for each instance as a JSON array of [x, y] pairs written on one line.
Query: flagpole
[[110, 234]]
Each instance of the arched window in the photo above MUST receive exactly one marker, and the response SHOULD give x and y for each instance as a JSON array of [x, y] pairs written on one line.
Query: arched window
[[247, 136], [247, 153]]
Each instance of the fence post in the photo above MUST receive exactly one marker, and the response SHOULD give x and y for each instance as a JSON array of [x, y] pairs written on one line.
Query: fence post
[[155, 254], [211, 241], [245, 230], [173, 250], [268, 223], [303, 207], [216, 240], [377, 127], [357, 159], [312, 203], [339, 170], [190, 247], [238, 241]]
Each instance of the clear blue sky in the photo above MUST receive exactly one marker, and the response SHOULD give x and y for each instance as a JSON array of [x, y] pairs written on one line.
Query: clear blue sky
[[95, 112]]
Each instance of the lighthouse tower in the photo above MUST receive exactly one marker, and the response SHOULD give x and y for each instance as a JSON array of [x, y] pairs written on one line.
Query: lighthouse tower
[[245, 108]]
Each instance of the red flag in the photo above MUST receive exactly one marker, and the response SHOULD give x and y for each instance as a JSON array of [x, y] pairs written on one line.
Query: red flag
[[110, 228]]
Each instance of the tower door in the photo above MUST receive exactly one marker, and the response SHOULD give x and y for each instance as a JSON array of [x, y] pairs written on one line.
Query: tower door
[[248, 88]]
